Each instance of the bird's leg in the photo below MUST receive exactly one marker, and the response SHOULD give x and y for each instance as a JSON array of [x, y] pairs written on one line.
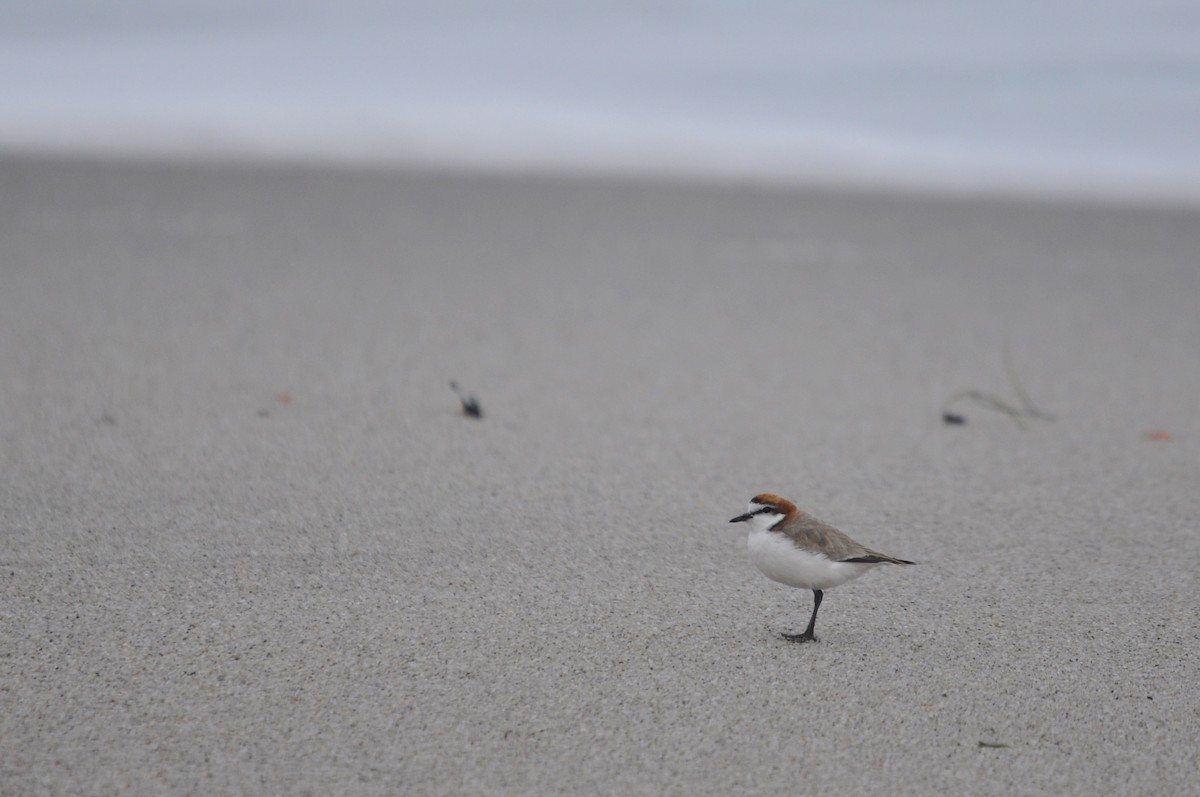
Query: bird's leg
[[807, 636]]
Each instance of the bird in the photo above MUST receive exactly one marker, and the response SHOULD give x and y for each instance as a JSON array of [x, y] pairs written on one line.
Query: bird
[[794, 548]]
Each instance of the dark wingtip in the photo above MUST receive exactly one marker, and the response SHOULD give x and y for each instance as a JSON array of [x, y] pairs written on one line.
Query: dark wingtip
[[879, 559]]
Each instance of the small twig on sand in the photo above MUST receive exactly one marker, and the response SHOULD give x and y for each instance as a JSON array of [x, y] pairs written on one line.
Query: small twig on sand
[[987, 400], [1030, 410], [1026, 410], [470, 405]]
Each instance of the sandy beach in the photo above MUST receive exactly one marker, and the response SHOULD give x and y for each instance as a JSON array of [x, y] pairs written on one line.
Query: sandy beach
[[250, 544]]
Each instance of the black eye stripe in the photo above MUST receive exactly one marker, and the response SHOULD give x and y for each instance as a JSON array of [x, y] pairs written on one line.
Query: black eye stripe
[[765, 510]]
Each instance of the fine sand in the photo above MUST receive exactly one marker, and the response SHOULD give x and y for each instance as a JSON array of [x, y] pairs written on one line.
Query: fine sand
[[250, 544]]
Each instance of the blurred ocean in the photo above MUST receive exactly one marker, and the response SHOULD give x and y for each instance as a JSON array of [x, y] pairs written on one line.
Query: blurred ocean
[[1058, 95]]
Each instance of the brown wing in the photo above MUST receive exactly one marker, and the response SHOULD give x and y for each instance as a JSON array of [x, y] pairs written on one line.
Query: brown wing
[[814, 535]]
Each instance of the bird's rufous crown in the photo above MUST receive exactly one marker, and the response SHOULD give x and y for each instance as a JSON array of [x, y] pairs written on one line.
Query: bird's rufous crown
[[785, 506]]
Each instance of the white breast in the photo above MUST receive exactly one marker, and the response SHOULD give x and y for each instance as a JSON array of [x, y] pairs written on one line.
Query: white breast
[[780, 560]]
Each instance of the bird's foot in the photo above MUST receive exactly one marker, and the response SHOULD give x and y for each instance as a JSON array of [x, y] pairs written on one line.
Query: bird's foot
[[806, 637]]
